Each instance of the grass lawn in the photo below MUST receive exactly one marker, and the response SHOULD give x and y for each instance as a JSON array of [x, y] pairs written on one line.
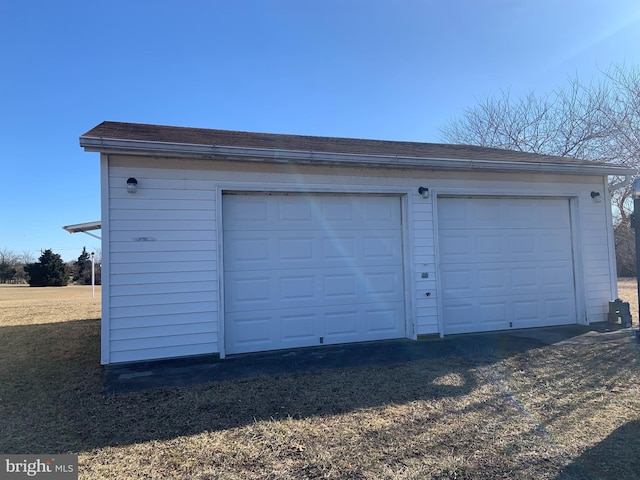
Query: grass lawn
[[556, 412]]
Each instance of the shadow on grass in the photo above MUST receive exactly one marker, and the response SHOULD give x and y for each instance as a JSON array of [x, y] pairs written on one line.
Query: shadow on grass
[[616, 457], [52, 398], [577, 377]]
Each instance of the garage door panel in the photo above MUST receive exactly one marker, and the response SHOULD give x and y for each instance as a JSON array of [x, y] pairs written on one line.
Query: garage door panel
[[311, 288], [245, 291], [342, 325], [248, 211], [518, 249], [296, 326], [455, 247], [559, 310], [339, 248], [460, 214], [289, 209], [459, 316], [254, 331], [251, 330], [479, 280], [379, 212], [250, 290], [554, 243], [477, 314], [296, 248], [381, 284], [367, 323], [297, 287], [380, 322], [340, 285], [456, 281], [300, 212], [338, 213], [557, 277], [248, 252], [358, 212], [381, 245], [505, 263], [524, 278], [526, 311], [299, 327], [320, 269], [486, 245], [493, 313], [553, 310], [483, 213], [492, 280], [454, 215], [254, 251], [522, 245], [553, 214], [473, 246]]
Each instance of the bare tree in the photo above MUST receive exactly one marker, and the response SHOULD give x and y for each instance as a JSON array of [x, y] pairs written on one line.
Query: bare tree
[[9, 257], [9, 266], [590, 121], [569, 122], [27, 257]]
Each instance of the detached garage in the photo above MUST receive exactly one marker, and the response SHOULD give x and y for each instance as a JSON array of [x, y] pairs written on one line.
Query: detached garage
[[223, 242]]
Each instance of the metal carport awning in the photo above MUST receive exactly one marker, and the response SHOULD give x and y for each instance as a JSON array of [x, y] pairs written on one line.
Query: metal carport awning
[[85, 228]]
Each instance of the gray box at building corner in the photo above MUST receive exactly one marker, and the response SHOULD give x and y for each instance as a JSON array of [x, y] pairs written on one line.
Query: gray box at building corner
[[50, 467]]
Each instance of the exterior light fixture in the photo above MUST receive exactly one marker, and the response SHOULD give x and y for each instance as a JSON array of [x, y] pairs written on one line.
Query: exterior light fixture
[[424, 192], [132, 185], [596, 197]]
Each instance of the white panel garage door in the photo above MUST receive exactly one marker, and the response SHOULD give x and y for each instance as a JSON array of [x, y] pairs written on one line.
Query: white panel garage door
[[505, 263], [304, 270]]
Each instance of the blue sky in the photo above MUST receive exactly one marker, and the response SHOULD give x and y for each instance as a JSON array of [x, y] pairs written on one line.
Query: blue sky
[[394, 70]]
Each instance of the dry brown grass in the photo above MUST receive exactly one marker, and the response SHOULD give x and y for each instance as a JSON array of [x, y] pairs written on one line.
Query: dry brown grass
[[555, 412], [24, 305]]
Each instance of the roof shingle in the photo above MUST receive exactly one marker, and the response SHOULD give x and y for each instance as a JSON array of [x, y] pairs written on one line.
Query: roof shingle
[[228, 138]]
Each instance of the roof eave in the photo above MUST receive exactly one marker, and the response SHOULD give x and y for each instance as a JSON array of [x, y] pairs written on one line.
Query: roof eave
[[83, 227], [182, 150]]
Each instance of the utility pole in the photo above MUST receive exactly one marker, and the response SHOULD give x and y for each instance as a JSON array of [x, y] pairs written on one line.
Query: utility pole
[[93, 275], [635, 224]]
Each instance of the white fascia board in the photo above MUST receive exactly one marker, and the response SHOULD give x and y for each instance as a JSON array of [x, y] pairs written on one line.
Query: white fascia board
[[266, 155]]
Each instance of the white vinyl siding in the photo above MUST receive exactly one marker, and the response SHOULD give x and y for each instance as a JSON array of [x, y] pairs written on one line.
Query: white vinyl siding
[[424, 260], [163, 275], [164, 297], [597, 254]]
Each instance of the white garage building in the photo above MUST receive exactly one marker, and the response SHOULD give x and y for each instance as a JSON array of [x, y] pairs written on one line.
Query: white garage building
[[231, 242]]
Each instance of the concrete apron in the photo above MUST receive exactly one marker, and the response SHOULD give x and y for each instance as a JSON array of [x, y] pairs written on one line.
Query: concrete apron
[[188, 371]]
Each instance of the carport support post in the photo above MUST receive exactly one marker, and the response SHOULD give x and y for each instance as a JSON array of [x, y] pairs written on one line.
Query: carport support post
[[635, 224]]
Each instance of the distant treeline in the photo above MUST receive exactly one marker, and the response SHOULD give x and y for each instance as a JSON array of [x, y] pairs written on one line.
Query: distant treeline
[[49, 270]]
